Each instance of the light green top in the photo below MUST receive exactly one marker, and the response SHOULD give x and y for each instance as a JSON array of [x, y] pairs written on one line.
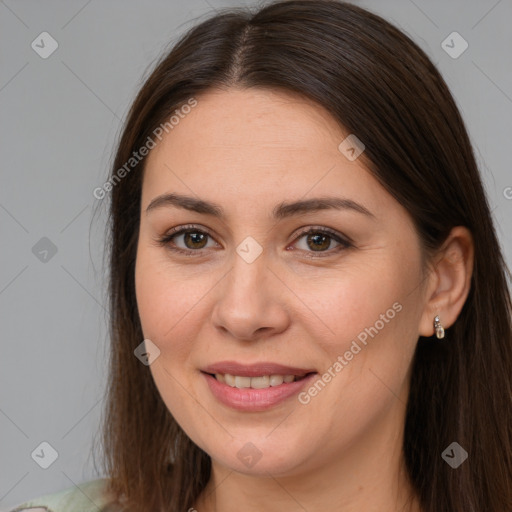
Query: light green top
[[88, 497]]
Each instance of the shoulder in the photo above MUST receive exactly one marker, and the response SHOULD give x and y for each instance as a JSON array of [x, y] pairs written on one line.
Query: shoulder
[[87, 497]]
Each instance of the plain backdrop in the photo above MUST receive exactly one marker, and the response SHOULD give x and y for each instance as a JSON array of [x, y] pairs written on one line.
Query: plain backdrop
[[60, 117]]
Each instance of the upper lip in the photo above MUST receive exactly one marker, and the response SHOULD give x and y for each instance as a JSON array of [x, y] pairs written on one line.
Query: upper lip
[[255, 369]]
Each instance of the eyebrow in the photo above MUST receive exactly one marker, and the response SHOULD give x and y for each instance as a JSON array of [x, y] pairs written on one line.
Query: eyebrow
[[280, 211]]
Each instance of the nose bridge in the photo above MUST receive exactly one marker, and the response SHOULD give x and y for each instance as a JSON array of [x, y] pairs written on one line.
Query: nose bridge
[[249, 258], [249, 268], [247, 303]]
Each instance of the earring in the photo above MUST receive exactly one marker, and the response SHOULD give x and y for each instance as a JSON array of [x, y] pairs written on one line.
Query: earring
[[438, 328]]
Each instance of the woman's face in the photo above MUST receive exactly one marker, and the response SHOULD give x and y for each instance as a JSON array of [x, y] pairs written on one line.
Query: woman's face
[[255, 288]]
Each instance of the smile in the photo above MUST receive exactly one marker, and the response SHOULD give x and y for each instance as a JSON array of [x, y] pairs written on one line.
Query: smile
[[255, 394], [260, 382]]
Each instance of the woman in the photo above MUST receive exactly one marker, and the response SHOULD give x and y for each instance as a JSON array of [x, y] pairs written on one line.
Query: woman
[[309, 302]]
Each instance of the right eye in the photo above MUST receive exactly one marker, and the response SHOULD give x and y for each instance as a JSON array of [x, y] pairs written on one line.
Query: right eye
[[193, 238]]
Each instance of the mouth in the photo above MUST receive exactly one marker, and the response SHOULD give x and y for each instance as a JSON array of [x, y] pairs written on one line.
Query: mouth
[[255, 388], [257, 382]]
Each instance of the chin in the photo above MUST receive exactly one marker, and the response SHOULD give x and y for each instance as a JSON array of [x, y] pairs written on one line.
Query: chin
[[259, 458]]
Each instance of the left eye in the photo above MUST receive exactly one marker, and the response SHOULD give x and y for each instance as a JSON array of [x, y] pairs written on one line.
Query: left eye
[[319, 240]]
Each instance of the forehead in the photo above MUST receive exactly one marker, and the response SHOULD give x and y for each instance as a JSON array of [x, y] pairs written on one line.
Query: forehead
[[253, 119], [255, 143]]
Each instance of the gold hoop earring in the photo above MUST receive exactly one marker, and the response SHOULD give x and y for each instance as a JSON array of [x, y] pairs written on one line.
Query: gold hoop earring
[[438, 328]]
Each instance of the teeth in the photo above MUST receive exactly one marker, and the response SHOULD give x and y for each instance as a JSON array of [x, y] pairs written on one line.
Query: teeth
[[229, 380], [265, 381], [259, 382], [276, 380], [242, 382]]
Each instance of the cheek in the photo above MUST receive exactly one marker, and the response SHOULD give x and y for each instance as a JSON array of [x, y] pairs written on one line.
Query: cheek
[[152, 296], [370, 321], [168, 306], [166, 312], [362, 297], [156, 293]]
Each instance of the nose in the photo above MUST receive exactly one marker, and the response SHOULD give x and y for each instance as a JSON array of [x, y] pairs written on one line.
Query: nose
[[250, 302]]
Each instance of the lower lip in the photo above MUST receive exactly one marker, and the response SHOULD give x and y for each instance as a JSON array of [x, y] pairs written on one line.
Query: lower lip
[[249, 399]]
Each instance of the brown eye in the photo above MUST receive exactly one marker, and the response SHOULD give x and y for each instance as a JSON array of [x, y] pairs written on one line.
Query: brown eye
[[318, 241], [192, 242], [321, 240], [194, 239]]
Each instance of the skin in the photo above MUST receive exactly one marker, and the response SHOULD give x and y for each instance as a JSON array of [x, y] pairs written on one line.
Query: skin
[[249, 150]]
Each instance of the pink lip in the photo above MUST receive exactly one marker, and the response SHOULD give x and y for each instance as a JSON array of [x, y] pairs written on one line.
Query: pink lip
[[255, 370], [255, 400]]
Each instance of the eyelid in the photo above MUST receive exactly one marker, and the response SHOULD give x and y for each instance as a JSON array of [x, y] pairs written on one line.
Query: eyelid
[[165, 239], [343, 240], [330, 231]]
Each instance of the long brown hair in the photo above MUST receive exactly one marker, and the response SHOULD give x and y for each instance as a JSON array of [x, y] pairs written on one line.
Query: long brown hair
[[379, 85]]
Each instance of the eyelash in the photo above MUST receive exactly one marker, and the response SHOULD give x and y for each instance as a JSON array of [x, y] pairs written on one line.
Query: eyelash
[[165, 241]]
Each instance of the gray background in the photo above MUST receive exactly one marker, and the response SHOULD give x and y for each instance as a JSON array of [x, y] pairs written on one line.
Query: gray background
[[60, 118]]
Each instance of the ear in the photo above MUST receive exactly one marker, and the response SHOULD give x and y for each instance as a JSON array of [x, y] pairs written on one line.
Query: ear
[[449, 281]]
